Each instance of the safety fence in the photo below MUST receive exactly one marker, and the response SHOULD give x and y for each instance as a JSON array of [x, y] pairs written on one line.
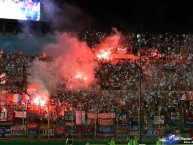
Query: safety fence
[[36, 122]]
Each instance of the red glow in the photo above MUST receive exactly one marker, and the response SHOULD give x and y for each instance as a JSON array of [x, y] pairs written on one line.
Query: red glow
[[104, 54], [76, 62], [81, 77], [78, 75], [40, 100]]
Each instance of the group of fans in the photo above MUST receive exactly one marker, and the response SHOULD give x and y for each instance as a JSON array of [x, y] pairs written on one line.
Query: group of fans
[[165, 74]]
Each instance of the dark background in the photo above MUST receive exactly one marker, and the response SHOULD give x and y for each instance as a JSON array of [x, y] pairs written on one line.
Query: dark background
[[140, 15], [172, 16]]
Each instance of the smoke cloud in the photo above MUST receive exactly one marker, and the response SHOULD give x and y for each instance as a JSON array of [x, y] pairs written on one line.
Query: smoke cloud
[[73, 63], [111, 42]]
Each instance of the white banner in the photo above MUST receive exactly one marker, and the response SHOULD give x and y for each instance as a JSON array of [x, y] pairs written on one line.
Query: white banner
[[158, 119], [20, 114], [80, 117], [3, 116], [101, 115], [106, 115]]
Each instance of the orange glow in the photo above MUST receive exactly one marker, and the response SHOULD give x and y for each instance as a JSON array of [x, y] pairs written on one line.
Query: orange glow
[[85, 78], [40, 100], [36, 101], [78, 75], [104, 54]]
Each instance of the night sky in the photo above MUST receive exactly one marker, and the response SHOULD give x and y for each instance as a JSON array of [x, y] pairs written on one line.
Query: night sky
[[139, 15], [174, 16]]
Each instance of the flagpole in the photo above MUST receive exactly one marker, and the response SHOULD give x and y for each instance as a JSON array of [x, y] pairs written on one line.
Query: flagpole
[[95, 118], [23, 115], [117, 119], [48, 119], [140, 93], [40, 120], [27, 119], [72, 122]]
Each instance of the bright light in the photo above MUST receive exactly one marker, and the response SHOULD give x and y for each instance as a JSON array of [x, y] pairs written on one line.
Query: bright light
[[85, 78], [42, 102], [36, 101], [104, 54], [78, 75]]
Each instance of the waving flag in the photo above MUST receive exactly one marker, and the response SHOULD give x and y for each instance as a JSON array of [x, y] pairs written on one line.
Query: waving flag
[[25, 97], [15, 98], [3, 78]]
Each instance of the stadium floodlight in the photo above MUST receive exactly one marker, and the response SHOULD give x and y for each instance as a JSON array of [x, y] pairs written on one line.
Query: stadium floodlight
[[20, 10]]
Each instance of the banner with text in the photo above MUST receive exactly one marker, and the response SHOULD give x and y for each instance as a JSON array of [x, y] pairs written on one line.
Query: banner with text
[[80, 117], [106, 122], [20, 114]]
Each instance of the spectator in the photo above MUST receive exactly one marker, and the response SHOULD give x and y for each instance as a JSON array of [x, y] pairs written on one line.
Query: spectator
[[69, 140]]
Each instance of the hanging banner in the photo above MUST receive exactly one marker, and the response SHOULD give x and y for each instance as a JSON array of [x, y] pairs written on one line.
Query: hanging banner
[[134, 123], [159, 132], [59, 132], [5, 131], [123, 132], [105, 135], [71, 131], [6, 117], [32, 128], [101, 115], [32, 125], [87, 132], [1, 132], [106, 122], [18, 130], [106, 129], [69, 117], [188, 120], [106, 115], [80, 117], [123, 119], [50, 132], [3, 116], [69, 123], [175, 116], [32, 131], [20, 114]]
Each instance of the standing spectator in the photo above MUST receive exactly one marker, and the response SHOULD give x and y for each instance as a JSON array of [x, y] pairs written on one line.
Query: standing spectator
[[135, 142], [112, 141], [108, 143], [158, 142], [130, 142], [69, 140]]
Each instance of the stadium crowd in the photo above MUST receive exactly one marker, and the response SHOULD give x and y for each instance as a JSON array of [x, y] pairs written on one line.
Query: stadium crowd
[[166, 79]]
